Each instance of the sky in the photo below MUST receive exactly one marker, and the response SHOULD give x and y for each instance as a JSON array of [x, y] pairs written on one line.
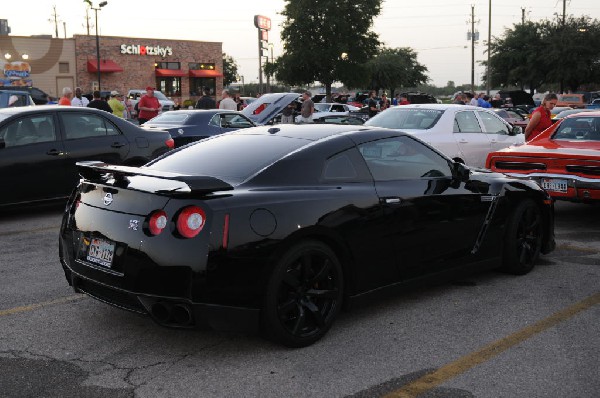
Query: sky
[[436, 30]]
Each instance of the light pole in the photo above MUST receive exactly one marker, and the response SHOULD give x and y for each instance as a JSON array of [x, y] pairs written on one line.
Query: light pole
[[102, 4]]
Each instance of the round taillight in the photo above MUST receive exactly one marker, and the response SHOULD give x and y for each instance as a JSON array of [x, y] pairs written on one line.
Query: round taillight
[[157, 222], [190, 221]]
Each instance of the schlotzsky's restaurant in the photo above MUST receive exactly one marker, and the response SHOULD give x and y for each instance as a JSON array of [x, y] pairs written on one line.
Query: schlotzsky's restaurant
[[180, 69]]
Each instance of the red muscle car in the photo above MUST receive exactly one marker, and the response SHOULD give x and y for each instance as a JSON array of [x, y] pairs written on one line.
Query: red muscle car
[[564, 159]]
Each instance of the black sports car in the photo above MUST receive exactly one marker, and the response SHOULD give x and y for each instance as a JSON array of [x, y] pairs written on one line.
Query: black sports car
[[40, 145], [274, 228], [190, 125]]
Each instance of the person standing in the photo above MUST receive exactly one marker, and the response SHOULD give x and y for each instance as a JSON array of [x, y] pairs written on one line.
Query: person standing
[[115, 104], [287, 115], [148, 106], [66, 97], [404, 100], [227, 102], [372, 104], [307, 109], [79, 100], [127, 113], [98, 103], [384, 103], [206, 101], [541, 117]]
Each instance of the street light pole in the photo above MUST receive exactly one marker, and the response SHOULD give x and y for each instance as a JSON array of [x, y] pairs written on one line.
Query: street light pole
[[102, 4]]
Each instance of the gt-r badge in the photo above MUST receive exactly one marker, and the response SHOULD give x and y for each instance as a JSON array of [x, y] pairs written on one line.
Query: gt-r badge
[[133, 224], [108, 198]]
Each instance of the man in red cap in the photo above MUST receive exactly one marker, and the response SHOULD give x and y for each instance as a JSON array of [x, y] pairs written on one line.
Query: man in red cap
[[148, 106]]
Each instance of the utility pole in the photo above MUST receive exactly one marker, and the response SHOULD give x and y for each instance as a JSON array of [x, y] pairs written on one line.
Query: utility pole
[[55, 20], [473, 36], [564, 11], [65, 28], [488, 82]]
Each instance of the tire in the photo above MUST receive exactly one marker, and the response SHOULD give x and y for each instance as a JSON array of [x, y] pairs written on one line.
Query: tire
[[304, 295], [523, 238]]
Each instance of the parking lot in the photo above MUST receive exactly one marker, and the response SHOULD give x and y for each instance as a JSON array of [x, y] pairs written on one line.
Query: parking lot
[[488, 335]]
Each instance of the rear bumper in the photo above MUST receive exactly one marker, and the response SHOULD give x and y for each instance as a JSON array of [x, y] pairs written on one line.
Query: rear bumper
[[168, 311], [579, 189]]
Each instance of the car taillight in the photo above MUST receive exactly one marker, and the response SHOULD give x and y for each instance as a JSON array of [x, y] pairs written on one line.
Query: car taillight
[[157, 222], [170, 143], [190, 221]]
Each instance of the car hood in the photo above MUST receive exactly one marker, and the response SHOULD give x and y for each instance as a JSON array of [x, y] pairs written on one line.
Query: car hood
[[273, 105]]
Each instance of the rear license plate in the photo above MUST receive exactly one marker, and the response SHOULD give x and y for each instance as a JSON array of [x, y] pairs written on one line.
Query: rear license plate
[[101, 252], [554, 185]]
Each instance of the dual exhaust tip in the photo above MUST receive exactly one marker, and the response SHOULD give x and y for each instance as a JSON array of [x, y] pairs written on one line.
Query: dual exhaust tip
[[172, 314]]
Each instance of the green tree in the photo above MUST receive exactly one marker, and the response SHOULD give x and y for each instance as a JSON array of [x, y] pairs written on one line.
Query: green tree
[[396, 67], [327, 41], [230, 70]]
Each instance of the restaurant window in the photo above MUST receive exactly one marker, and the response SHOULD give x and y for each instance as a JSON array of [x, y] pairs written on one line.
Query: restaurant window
[[63, 67], [167, 65], [197, 84], [201, 66], [170, 86]]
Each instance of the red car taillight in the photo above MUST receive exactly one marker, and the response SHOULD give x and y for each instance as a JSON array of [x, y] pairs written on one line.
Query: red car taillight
[[190, 221], [157, 222], [170, 143]]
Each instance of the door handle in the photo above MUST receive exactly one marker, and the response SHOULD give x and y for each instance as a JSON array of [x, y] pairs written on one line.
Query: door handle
[[463, 141], [117, 144], [55, 152]]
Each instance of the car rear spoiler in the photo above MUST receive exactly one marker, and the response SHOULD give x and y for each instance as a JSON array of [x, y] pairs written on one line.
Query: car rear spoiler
[[100, 172]]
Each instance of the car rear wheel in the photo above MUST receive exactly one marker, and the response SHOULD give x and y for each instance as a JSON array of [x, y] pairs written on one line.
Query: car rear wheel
[[304, 295], [523, 238]]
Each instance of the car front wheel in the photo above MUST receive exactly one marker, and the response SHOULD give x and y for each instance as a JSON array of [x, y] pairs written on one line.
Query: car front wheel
[[304, 295], [523, 238]]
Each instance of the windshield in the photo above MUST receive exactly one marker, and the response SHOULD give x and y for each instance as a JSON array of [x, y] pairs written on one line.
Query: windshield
[[578, 128], [406, 118], [569, 98], [160, 96], [171, 118]]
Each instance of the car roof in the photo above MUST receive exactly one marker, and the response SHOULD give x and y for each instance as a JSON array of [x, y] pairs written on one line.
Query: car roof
[[441, 107], [314, 133]]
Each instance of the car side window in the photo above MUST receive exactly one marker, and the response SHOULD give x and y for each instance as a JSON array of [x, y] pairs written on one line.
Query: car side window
[[78, 125], [492, 124], [215, 120], [466, 122], [232, 120], [337, 108], [400, 158], [29, 130]]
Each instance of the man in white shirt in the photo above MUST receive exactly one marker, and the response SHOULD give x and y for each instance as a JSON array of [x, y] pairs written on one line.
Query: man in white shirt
[[78, 99], [227, 102]]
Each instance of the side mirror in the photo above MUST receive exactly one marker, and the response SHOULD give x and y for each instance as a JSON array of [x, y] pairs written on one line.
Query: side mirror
[[516, 130], [460, 172]]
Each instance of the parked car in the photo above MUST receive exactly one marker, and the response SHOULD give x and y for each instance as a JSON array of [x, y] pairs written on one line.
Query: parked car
[[558, 109], [518, 98], [330, 109], [340, 119], [12, 98], [567, 112], [267, 108], [564, 159], [276, 228], [39, 96], [514, 118], [166, 103], [595, 104], [40, 145], [189, 125], [419, 98], [464, 133], [571, 100]]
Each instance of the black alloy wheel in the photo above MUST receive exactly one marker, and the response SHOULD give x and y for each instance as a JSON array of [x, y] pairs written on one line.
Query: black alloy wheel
[[523, 238], [304, 295]]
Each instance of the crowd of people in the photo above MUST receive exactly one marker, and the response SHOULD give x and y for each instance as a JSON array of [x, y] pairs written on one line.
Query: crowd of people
[[118, 104]]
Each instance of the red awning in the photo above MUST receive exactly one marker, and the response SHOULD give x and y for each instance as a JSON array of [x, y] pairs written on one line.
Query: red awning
[[106, 65], [170, 72], [204, 73]]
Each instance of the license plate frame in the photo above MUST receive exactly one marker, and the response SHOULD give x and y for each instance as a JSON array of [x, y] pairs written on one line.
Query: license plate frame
[[555, 185], [101, 252]]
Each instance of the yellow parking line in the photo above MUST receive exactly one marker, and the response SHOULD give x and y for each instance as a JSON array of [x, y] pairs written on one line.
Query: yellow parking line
[[31, 307], [453, 369]]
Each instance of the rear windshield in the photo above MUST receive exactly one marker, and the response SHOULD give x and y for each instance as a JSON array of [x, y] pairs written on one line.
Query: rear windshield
[[570, 98], [406, 118], [578, 128], [171, 118], [232, 158]]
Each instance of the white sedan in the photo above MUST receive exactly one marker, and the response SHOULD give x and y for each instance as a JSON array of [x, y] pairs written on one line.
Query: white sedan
[[462, 132], [330, 109]]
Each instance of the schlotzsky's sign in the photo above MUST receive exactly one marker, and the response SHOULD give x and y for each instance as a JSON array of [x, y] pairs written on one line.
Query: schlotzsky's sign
[[137, 49]]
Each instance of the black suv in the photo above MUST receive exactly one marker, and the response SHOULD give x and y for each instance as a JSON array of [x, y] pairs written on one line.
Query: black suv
[[419, 98], [39, 97]]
